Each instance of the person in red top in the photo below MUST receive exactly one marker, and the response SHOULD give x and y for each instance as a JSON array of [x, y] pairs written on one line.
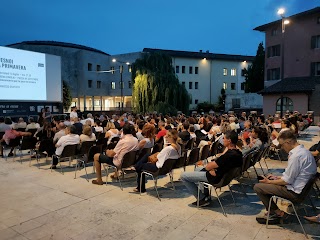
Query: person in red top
[[162, 131]]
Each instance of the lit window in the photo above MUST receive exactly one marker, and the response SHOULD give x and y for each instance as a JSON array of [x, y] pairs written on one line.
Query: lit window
[[196, 85], [233, 86], [224, 86], [225, 72], [130, 68], [112, 70], [98, 84], [196, 70], [113, 85], [89, 83], [190, 85], [89, 67], [183, 69], [233, 72], [190, 70], [96, 102], [177, 69]]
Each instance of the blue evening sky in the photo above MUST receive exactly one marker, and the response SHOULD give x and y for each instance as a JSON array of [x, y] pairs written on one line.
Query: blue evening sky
[[122, 26]]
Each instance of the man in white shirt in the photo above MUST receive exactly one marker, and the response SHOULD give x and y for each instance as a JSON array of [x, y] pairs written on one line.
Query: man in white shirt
[[61, 132], [89, 117], [70, 138], [301, 167], [32, 124]]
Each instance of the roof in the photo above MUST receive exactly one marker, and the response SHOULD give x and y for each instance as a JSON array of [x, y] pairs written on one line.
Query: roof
[[200, 54], [59, 44], [264, 27], [293, 85]]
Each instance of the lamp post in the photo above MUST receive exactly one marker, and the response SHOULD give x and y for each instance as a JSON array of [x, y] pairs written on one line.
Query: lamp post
[[284, 22], [121, 82]]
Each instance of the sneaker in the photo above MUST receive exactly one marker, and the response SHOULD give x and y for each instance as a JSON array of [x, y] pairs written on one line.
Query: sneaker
[[273, 219], [203, 202]]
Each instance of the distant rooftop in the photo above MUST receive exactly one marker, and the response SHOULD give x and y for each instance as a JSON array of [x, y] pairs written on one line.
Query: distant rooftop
[[201, 54], [59, 44], [312, 11]]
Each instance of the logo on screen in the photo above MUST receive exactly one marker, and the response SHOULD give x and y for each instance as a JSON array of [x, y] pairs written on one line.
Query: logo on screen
[[40, 65]]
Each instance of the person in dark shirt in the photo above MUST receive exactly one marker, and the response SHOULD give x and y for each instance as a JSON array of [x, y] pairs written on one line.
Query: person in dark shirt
[[184, 134], [78, 125], [215, 170]]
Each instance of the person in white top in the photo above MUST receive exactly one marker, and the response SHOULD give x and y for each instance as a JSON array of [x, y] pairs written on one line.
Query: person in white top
[[148, 131], [155, 161], [32, 124], [89, 117], [20, 124], [70, 138], [285, 125], [87, 135], [301, 167], [111, 132], [73, 114], [60, 133]]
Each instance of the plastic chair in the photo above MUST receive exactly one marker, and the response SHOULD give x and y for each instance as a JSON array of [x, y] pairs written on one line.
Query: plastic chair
[[68, 152], [28, 143], [193, 158]]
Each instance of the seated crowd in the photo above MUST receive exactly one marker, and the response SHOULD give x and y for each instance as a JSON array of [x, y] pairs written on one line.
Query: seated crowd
[[168, 137]]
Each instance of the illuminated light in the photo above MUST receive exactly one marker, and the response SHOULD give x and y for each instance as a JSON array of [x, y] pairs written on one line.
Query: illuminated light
[[127, 63], [114, 60], [204, 58], [286, 22], [281, 11], [244, 61]]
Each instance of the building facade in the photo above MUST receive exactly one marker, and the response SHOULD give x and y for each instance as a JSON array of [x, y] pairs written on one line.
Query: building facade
[[292, 54]]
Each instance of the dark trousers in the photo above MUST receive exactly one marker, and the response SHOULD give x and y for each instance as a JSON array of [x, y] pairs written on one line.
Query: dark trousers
[[266, 191], [141, 165]]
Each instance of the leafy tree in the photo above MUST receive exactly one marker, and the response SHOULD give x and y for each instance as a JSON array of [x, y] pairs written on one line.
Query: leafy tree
[[67, 98], [205, 107], [156, 86], [255, 72]]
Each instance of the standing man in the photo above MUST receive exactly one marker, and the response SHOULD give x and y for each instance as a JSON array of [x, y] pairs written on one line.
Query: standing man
[[301, 167], [73, 114]]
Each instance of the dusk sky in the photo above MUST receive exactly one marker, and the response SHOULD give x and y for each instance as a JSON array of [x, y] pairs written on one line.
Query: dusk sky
[[124, 26]]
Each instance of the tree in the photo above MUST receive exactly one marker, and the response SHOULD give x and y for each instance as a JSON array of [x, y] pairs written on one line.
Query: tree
[[255, 72], [156, 86], [67, 98]]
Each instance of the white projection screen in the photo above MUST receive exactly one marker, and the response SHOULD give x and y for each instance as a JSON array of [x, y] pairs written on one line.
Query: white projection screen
[[29, 76]]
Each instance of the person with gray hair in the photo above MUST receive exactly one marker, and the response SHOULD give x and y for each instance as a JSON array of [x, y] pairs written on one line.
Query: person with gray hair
[[301, 167]]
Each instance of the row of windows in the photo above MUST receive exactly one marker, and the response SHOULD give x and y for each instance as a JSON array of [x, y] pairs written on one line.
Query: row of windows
[[113, 84], [196, 85], [233, 72], [232, 86], [183, 69], [98, 68], [273, 51]]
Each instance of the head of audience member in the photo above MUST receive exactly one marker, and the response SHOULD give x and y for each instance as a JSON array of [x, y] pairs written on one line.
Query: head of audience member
[[88, 122], [21, 120], [191, 128], [148, 131], [260, 133], [87, 130], [161, 125], [186, 125], [70, 130], [141, 125], [47, 126], [225, 127], [247, 124], [172, 136], [230, 138], [128, 129], [61, 126], [285, 124], [31, 120], [287, 140], [7, 121], [110, 125], [232, 119], [261, 119], [97, 123], [89, 115]]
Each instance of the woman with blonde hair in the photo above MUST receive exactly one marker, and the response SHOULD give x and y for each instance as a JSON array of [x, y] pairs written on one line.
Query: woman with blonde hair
[[87, 134], [111, 132]]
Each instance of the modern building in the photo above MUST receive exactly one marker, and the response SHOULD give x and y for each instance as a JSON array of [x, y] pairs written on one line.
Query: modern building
[[292, 63]]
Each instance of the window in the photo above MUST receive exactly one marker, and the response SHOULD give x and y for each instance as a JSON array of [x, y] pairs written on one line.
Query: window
[[183, 69], [224, 86], [233, 86], [112, 70], [233, 72], [184, 84], [274, 32], [274, 51], [129, 68], [315, 69], [190, 70], [196, 101], [318, 20], [129, 84], [121, 85], [190, 85], [113, 85], [89, 67], [98, 84], [244, 72], [177, 69], [96, 102], [98, 68], [89, 83], [196, 70], [225, 72], [196, 85], [315, 42], [242, 86], [273, 74], [287, 104], [236, 103]]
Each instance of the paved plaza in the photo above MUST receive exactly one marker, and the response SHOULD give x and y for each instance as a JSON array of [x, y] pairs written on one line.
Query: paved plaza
[[39, 204]]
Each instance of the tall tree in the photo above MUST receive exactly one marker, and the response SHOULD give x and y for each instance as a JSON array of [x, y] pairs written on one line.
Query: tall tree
[[255, 72], [67, 98], [156, 86]]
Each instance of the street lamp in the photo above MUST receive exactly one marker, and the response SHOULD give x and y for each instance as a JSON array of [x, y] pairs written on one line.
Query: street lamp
[[121, 82], [284, 22]]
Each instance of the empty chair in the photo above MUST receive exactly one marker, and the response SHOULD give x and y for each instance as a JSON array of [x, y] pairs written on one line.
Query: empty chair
[[193, 158]]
